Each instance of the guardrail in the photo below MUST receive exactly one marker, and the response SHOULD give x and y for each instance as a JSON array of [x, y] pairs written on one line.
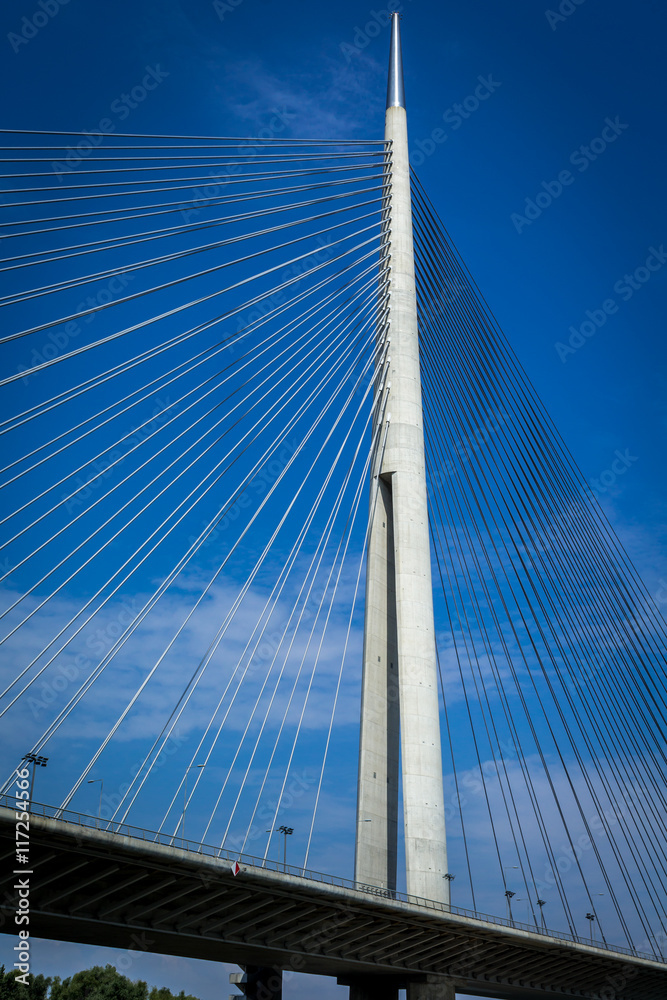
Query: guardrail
[[218, 853]]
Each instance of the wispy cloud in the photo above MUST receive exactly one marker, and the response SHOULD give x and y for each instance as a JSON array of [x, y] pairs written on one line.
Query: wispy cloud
[[334, 103]]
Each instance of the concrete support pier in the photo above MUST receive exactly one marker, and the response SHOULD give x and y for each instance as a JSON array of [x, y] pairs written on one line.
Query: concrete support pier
[[257, 982], [431, 989], [386, 988], [399, 616], [372, 987]]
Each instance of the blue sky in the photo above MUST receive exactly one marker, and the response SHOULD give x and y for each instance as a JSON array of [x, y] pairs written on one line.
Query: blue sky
[[502, 100], [556, 82]]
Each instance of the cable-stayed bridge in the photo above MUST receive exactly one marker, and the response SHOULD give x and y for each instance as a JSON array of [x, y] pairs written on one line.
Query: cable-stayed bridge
[[216, 511]]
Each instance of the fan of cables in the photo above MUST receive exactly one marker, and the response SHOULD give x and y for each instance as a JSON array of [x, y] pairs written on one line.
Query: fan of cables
[[552, 653], [191, 334]]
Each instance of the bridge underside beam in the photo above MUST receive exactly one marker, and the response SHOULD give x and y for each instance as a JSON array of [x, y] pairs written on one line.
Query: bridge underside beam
[[124, 896]]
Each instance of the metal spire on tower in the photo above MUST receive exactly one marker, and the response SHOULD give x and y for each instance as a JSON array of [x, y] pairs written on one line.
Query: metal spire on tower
[[395, 85]]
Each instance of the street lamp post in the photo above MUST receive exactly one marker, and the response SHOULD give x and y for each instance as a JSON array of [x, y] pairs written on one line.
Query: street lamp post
[[592, 916], [92, 781], [541, 903], [663, 923], [450, 878], [508, 892], [286, 831], [185, 797], [36, 762]]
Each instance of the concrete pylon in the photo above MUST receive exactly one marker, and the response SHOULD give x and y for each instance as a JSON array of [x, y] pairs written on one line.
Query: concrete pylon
[[399, 638], [257, 982]]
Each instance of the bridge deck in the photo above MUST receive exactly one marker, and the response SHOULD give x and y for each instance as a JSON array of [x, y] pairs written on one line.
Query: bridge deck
[[92, 886]]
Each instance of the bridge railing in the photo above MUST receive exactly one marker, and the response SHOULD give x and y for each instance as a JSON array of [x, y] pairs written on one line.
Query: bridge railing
[[221, 854]]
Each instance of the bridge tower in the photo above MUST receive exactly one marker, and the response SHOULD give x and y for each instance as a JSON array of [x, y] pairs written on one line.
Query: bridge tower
[[399, 689]]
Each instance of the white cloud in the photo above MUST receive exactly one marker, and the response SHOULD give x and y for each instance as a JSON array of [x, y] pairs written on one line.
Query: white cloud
[[330, 104]]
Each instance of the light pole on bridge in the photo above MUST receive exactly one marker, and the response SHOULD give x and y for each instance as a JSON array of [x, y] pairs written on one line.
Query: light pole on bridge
[[508, 892], [591, 916], [286, 832], [93, 781], [185, 797], [36, 762], [542, 903]]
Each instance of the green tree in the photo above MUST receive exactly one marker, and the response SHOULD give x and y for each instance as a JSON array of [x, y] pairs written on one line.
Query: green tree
[[36, 989], [162, 993], [91, 984], [159, 993], [99, 984]]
